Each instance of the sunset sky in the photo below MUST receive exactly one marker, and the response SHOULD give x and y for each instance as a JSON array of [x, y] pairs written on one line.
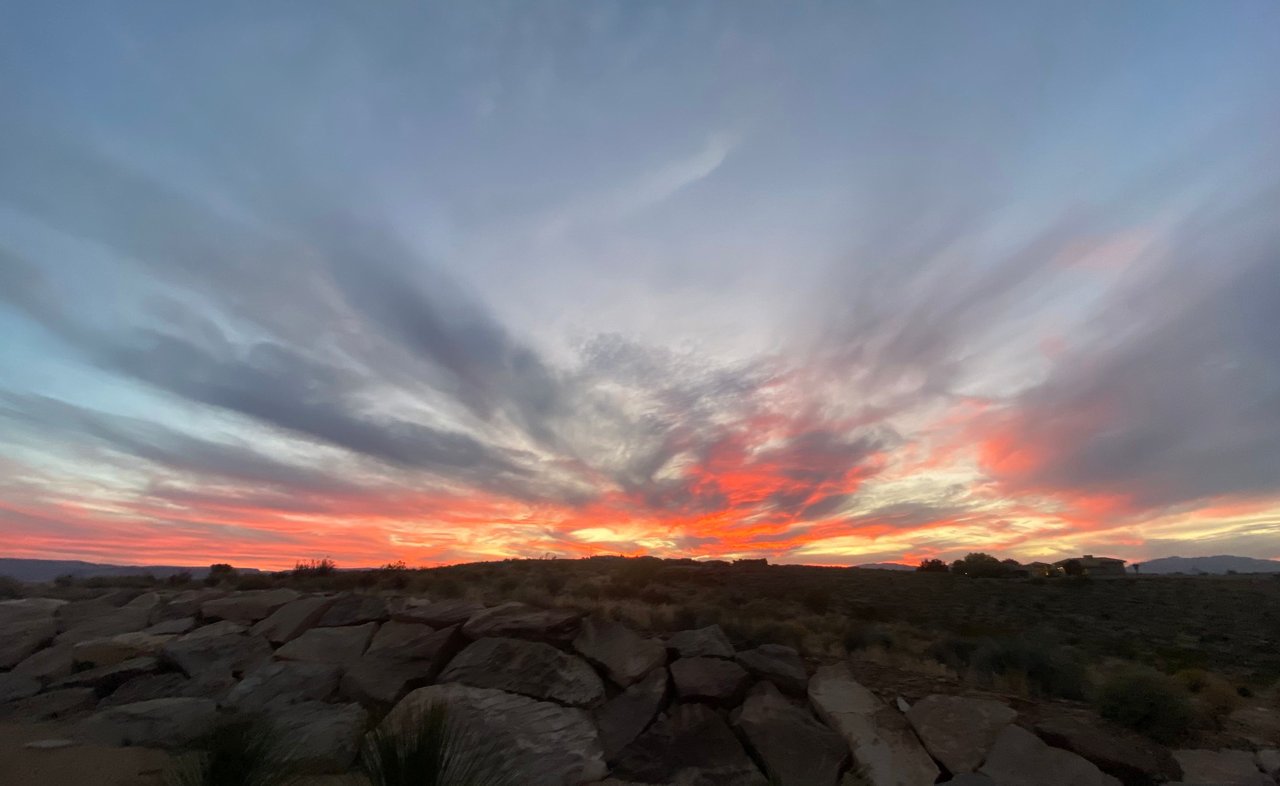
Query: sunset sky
[[827, 283]]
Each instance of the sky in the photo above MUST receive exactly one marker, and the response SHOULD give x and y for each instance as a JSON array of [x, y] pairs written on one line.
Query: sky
[[827, 283]]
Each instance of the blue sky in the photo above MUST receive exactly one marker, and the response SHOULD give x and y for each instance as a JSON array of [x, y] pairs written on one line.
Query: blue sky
[[823, 282]]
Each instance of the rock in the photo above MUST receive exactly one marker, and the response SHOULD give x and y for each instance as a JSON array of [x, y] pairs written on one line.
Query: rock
[[224, 628], [274, 685], [624, 655], [969, 779], [1268, 761], [188, 603], [172, 627], [105, 679], [795, 749], [330, 645], [529, 668], [50, 705], [320, 737], [548, 745], [247, 607], [292, 619], [25, 626], [50, 744], [1133, 758], [169, 685], [957, 730], [709, 679], [117, 649], [778, 664], [351, 609], [624, 716], [1221, 768], [97, 619], [879, 737], [708, 642], [17, 686], [49, 664], [1020, 758], [230, 654], [523, 622], [400, 662], [692, 745], [438, 614], [159, 723]]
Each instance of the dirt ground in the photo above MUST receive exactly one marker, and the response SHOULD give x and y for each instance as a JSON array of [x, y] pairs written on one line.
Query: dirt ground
[[75, 765]]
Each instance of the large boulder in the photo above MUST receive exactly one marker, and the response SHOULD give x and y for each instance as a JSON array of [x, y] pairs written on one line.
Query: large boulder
[[319, 737], [25, 626], [708, 642], [117, 649], [188, 603], [48, 664], [1268, 760], [778, 664], [624, 716], [529, 668], [352, 609], [543, 743], [1133, 758], [409, 656], [1221, 768], [99, 619], [795, 749], [879, 737], [175, 626], [624, 655], [230, 654], [1020, 758], [146, 687], [438, 614], [709, 679], [247, 607], [292, 619], [50, 705], [159, 723], [105, 679], [691, 745], [330, 645], [521, 621], [957, 730], [282, 683], [17, 686]]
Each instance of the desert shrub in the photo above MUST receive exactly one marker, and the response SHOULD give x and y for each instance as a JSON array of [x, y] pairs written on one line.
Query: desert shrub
[[10, 587], [314, 568], [253, 581], [1044, 666], [448, 587], [65, 580], [817, 600], [507, 584], [657, 595], [1147, 701], [1193, 680], [180, 579], [980, 566], [860, 637], [933, 566], [236, 753], [637, 573], [554, 582], [432, 749], [1215, 699]]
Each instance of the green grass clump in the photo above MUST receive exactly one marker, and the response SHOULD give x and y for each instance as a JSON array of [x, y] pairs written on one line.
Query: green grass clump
[[1147, 701], [236, 753], [431, 748]]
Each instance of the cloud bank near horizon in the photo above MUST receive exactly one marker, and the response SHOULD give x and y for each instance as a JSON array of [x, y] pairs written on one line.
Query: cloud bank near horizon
[[451, 284]]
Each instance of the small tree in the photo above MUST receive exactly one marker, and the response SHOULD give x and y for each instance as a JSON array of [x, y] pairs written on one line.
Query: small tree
[[932, 566], [980, 566]]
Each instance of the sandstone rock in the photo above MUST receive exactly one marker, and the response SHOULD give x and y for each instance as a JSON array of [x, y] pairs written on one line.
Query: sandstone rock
[[692, 745], [708, 642], [969, 779], [25, 626], [320, 737], [51, 705], [49, 664], [117, 649], [352, 609], [233, 654], [778, 664], [624, 655], [439, 614], [274, 685], [105, 679], [395, 636], [709, 679], [522, 622], [292, 619], [529, 668], [1268, 761], [159, 723], [223, 628], [17, 686], [1221, 768], [624, 716], [398, 663], [96, 619], [330, 645], [957, 730], [795, 749], [247, 607], [172, 627], [169, 685], [1133, 758], [1020, 758], [548, 745], [188, 603], [879, 737]]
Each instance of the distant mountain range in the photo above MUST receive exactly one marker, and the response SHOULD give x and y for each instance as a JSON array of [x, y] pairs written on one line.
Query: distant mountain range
[[1215, 565], [885, 566], [50, 569]]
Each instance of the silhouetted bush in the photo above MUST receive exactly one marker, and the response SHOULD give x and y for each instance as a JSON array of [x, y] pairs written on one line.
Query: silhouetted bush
[[932, 566], [314, 568], [237, 753], [978, 565], [10, 588], [432, 749], [1147, 701], [817, 600], [859, 636], [1046, 668]]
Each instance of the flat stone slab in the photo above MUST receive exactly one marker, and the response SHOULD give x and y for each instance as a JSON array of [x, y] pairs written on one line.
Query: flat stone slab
[[1221, 768], [692, 745], [279, 684], [438, 614], [117, 649], [292, 619], [201, 652], [160, 723], [778, 664], [410, 656], [50, 705], [247, 607], [330, 645], [795, 749], [353, 609], [1020, 758], [709, 679], [708, 642], [26, 625], [105, 679], [547, 744], [529, 668], [958, 730], [1134, 759], [625, 655], [320, 737], [17, 686], [517, 620], [624, 716]]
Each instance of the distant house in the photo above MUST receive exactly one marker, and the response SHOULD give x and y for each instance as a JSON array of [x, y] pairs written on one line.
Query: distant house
[[1089, 565], [1041, 569]]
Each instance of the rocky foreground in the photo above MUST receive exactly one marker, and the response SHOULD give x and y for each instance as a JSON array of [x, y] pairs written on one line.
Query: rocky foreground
[[567, 699]]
